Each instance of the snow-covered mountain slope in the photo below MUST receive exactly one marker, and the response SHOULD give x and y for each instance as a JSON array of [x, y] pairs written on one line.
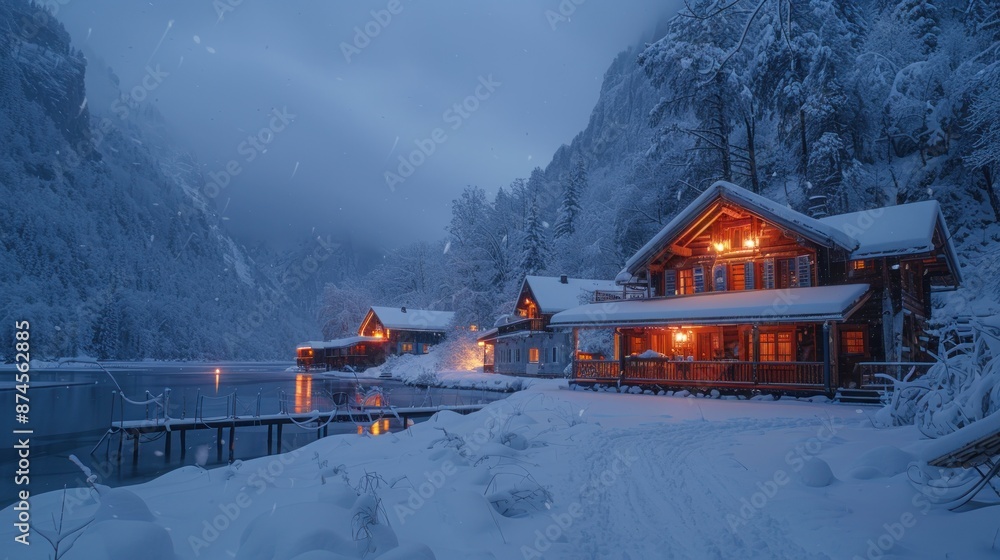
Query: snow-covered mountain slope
[[102, 247]]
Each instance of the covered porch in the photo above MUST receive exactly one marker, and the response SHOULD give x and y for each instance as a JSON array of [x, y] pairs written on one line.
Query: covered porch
[[779, 340]]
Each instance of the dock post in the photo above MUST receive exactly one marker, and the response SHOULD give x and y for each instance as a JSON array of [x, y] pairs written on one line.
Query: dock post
[[277, 446], [326, 430], [218, 443], [135, 449], [166, 446], [232, 441], [270, 429], [121, 442], [319, 433], [183, 443]]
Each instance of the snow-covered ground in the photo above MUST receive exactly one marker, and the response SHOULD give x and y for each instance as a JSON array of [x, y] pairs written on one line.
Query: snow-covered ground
[[425, 370], [547, 473]]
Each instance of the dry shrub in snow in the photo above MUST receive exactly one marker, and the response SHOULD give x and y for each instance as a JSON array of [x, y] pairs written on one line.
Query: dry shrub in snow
[[963, 386]]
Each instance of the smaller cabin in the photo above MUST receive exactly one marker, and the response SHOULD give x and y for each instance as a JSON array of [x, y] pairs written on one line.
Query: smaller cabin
[[356, 352], [522, 343], [384, 332], [406, 331]]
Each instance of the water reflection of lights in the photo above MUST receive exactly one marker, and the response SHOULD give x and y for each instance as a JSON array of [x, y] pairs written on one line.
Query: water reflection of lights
[[303, 393], [377, 428]]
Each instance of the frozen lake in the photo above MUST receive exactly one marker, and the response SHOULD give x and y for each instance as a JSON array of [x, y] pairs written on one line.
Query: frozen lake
[[71, 410]]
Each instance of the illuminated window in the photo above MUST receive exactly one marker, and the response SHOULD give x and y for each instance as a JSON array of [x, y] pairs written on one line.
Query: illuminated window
[[685, 281], [533, 355], [859, 265], [738, 238], [784, 353], [852, 342], [407, 347], [767, 347], [776, 347]]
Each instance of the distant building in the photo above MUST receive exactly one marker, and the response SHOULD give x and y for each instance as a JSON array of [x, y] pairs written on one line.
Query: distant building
[[406, 331], [743, 293], [385, 331], [523, 343]]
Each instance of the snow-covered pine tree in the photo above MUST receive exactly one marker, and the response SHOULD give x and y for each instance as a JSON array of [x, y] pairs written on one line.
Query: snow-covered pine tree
[[534, 245], [920, 18], [569, 209]]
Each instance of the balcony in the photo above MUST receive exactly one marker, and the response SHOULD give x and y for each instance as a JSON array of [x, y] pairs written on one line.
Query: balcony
[[526, 325], [601, 296]]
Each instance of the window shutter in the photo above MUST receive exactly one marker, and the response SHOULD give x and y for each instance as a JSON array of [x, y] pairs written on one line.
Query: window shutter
[[768, 274], [803, 271], [669, 282], [719, 277], [699, 279], [748, 280]]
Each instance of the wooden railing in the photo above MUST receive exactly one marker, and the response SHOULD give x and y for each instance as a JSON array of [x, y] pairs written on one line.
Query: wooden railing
[[522, 325], [707, 373], [869, 372], [616, 295], [597, 370]]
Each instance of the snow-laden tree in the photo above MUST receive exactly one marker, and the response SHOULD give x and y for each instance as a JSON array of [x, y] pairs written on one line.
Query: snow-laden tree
[[534, 243], [574, 186]]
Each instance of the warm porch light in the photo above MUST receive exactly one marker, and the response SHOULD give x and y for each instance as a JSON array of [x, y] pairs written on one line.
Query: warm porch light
[[680, 337], [719, 246], [481, 343], [750, 243]]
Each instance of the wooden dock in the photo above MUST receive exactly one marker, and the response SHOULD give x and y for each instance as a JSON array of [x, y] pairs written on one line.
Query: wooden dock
[[318, 420]]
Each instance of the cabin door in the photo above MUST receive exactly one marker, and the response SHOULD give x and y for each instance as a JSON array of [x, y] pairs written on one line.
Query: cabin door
[[709, 346]]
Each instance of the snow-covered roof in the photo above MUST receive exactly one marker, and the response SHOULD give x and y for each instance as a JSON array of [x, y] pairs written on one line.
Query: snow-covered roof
[[783, 216], [552, 296], [822, 303], [339, 342], [406, 319], [488, 335], [905, 229]]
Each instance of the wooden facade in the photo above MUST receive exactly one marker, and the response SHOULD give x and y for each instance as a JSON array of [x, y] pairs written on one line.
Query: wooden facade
[[384, 332], [355, 353], [524, 343], [734, 241]]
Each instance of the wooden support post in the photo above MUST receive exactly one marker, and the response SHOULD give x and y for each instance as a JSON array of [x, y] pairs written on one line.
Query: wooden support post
[[755, 335], [135, 449], [270, 430], [218, 443], [166, 445], [827, 370], [183, 443], [121, 442], [232, 442], [326, 430], [277, 444]]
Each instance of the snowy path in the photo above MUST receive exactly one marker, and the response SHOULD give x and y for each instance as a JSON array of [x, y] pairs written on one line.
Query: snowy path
[[672, 497]]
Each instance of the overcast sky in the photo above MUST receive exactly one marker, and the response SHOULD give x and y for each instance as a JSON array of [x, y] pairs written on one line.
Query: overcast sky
[[525, 76]]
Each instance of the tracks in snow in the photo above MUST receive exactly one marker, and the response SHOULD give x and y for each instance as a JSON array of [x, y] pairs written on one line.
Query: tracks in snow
[[673, 499]]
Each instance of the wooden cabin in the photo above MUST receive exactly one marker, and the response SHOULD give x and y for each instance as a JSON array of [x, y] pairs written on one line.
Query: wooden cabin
[[357, 352], [384, 332], [406, 331], [740, 292], [523, 343]]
